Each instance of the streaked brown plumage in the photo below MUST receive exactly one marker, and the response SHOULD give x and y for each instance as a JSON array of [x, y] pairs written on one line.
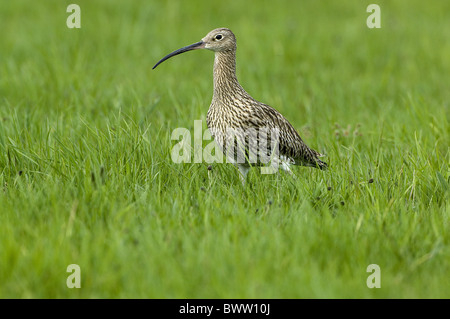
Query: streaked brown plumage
[[233, 108]]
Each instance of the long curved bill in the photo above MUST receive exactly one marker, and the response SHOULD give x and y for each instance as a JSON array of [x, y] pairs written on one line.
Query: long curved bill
[[198, 45]]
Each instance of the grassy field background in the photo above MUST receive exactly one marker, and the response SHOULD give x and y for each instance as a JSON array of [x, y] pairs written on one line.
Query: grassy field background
[[86, 175]]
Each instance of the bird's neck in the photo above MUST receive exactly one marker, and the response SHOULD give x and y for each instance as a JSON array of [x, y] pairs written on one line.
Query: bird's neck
[[225, 80]]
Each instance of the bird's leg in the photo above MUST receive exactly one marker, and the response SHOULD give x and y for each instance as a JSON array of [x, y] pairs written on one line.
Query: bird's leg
[[243, 171], [285, 167]]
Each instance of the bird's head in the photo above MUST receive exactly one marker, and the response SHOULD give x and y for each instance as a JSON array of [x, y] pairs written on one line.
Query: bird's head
[[220, 40], [217, 40]]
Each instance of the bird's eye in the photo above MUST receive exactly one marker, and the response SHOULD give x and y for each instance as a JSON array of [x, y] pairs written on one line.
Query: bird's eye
[[219, 37]]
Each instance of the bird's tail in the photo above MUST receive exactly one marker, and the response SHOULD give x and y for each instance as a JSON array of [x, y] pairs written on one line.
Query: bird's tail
[[321, 165], [318, 163]]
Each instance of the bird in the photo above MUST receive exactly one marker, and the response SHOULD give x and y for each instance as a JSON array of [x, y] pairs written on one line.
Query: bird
[[248, 132]]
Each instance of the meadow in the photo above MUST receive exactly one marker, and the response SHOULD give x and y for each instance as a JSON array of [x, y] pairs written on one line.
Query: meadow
[[86, 175]]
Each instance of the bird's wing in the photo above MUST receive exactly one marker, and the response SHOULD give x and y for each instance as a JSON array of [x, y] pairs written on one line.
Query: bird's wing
[[291, 144]]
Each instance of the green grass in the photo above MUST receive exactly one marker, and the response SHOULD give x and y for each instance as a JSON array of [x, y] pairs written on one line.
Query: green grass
[[86, 175]]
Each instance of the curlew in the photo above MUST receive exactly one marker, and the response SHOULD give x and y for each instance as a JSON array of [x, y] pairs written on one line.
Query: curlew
[[247, 131]]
